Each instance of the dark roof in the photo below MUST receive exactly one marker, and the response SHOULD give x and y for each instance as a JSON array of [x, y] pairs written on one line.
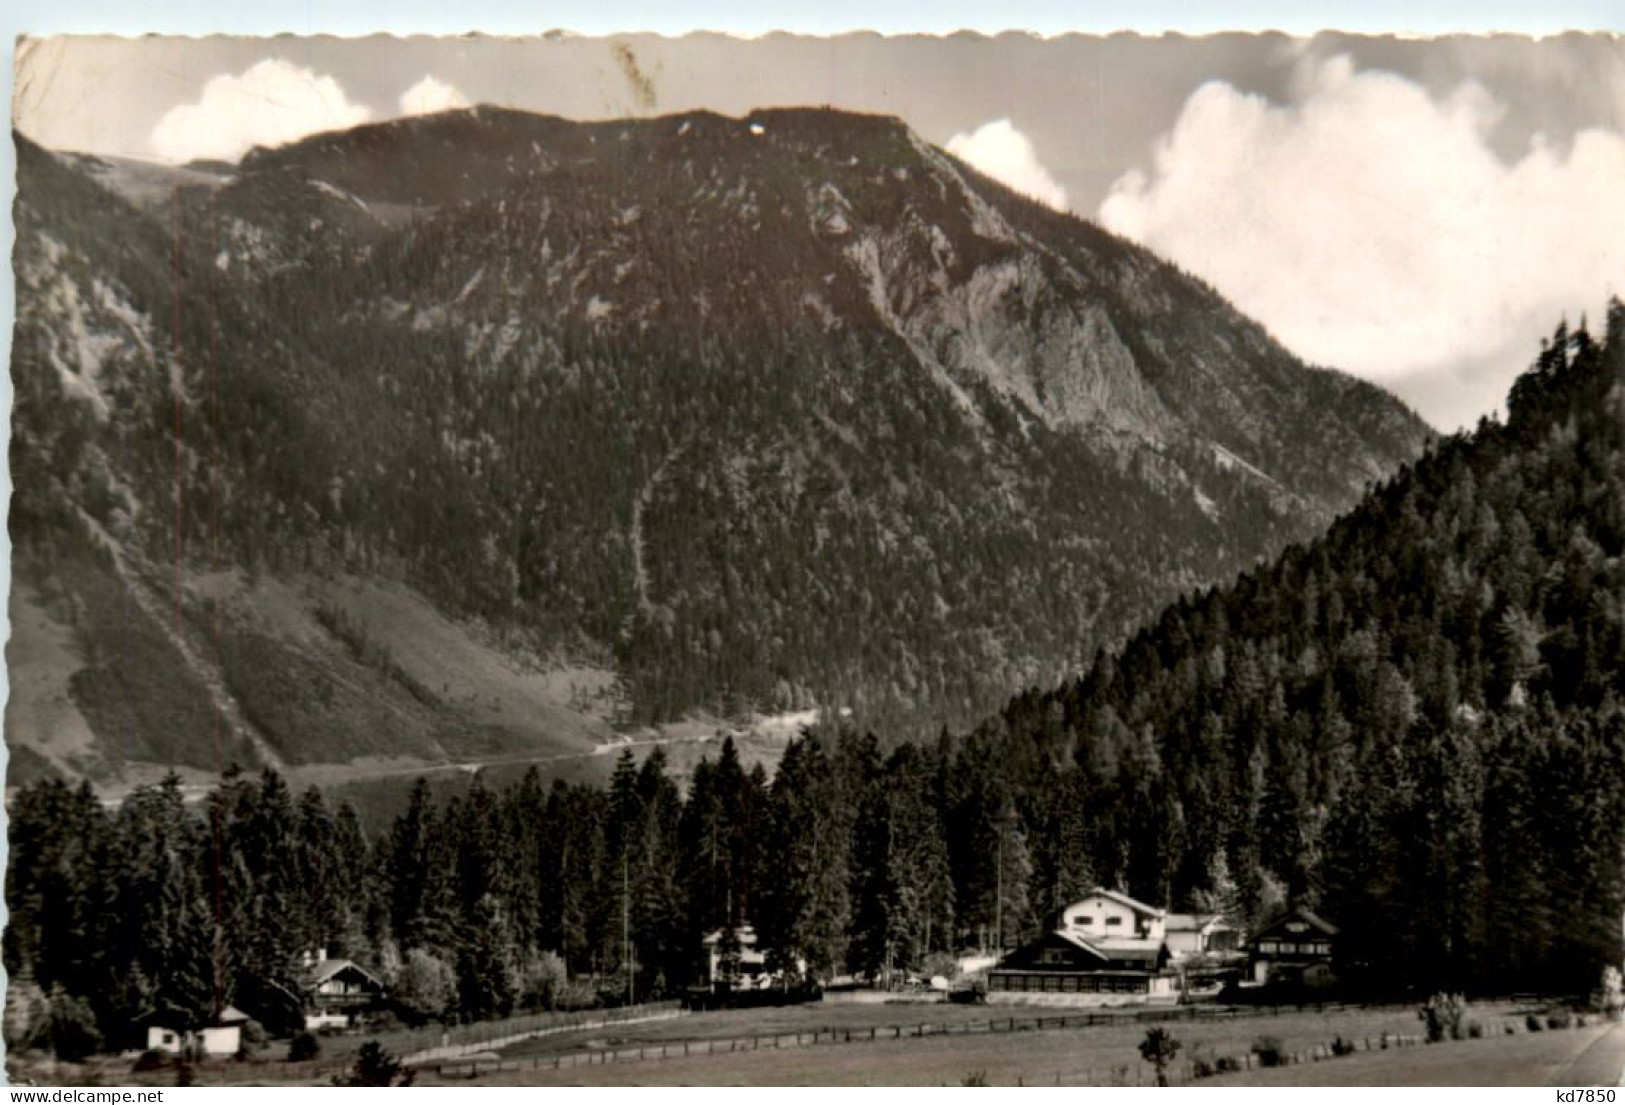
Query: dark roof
[[1196, 922], [331, 968], [1319, 922], [1085, 954], [1116, 950], [1308, 917], [172, 1020], [1137, 955], [745, 934]]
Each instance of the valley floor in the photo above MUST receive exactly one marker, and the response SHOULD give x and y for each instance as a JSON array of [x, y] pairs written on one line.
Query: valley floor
[[1097, 1055], [1591, 1056], [958, 1049]]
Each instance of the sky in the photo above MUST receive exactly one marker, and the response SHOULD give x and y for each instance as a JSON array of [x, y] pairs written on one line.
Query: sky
[[1416, 211]]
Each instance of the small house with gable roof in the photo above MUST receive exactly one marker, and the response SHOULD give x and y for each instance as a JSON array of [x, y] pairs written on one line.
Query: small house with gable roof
[[338, 991]]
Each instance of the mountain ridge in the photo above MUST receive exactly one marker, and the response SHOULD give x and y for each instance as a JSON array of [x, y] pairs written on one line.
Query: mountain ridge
[[746, 415]]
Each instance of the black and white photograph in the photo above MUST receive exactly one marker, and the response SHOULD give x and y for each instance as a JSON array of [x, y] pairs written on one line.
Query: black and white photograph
[[930, 560]]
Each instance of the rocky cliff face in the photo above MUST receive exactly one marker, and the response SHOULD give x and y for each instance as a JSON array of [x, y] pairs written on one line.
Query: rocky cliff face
[[667, 418]]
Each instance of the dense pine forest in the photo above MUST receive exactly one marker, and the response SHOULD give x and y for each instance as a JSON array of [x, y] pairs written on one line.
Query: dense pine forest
[[1412, 724]]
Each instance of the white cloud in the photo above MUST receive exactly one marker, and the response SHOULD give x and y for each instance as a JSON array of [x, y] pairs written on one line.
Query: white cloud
[[1005, 154], [268, 104], [1371, 227], [431, 95]]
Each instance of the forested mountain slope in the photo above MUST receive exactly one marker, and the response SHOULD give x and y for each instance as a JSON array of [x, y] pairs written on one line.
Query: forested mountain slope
[[659, 418], [1413, 723]]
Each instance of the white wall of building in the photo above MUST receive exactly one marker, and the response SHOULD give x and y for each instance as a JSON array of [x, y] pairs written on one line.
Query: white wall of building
[[1104, 918]]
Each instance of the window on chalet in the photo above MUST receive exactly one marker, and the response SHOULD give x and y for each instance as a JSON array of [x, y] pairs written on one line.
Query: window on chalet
[[1085, 919], [1113, 921], [1269, 947]]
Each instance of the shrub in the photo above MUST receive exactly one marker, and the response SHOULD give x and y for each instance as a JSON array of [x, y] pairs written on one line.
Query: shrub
[[1580, 1020], [1201, 1068], [1443, 1016], [1559, 1020], [150, 1060], [1510, 1029], [1227, 1064], [578, 995], [253, 1040], [304, 1047], [183, 1073], [1532, 1023], [940, 963], [1269, 1051], [425, 987], [1341, 1046], [542, 980], [28, 1016], [1159, 1048], [374, 1066], [976, 1078], [73, 1032], [1611, 992], [1475, 1031]]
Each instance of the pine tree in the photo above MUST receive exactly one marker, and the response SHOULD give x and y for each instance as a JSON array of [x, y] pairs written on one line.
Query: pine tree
[[487, 961], [658, 919], [411, 876], [806, 906]]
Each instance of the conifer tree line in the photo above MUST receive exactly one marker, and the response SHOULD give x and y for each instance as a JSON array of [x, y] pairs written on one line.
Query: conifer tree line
[[1413, 724]]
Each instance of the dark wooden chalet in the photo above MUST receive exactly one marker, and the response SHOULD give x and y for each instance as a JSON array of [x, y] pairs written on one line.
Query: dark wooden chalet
[[1296, 949], [1084, 972]]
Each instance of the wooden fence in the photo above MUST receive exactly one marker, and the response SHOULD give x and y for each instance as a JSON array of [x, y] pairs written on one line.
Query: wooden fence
[[563, 1061], [1137, 1073], [1186, 1072], [470, 1040], [494, 1035], [425, 1045]]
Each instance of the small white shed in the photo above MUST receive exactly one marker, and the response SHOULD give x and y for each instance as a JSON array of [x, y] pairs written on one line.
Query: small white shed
[[222, 1039], [170, 1041]]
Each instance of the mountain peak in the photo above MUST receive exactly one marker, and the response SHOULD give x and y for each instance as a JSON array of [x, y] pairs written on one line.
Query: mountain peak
[[780, 413]]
